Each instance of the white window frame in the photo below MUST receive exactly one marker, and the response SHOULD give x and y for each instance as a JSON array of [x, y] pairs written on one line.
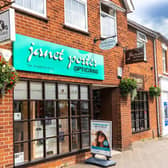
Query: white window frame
[[30, 11], [114, 17], [164, 49], [144, 41], [86, 16]]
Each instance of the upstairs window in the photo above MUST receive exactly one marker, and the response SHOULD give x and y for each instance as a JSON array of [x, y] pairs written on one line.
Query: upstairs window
[[141, 42], [33, 6], [76, 14], [108, 21], [164, 58]]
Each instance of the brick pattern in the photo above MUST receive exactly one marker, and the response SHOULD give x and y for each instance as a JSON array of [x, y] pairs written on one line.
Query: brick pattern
[[53, 30], [147, 71]]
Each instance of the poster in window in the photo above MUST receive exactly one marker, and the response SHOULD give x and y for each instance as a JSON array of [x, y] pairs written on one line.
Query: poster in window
[[166, 113], [19, 158], [101, 137]]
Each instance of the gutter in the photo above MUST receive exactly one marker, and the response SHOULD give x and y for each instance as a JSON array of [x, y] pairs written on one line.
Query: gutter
[[157, 99]]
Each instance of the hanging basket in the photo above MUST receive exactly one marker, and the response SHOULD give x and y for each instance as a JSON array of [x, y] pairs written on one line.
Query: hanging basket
[[8, 77], [154, 91], [127, 86]]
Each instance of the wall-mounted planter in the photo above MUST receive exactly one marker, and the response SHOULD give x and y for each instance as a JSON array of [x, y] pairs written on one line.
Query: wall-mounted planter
[[154, 91], [128, 86], [8, 76]]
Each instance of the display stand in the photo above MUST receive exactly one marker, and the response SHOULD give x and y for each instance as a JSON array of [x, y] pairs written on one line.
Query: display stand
[[100, 162]]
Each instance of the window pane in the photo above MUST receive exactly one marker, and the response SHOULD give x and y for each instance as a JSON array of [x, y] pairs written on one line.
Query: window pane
[[50, 126], [139, 112], [75, 142], [50, 109], [38, 8], [142, 125], [32, 5], [85, 140], [36, 129], [63, 127], [73, 92], [20, 131], [84, 92], [37, 149], [108, 10], [50, 91], [85, 123], [76, 9], [20, 90], [107, 26], [26, 4], [19, 2], [75, 125], [20, 153], [36, 90], [62, 91], [51, 147], [84, 108], [20, 110], [36, 109], [62, 108], [74, 108], [64, 144]]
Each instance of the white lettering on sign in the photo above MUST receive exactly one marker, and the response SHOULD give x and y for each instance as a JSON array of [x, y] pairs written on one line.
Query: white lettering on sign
[[87, 61], [83, 61], [39, 52]]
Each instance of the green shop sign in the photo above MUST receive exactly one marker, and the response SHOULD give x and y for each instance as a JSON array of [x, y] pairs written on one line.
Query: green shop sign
[[34, 55]]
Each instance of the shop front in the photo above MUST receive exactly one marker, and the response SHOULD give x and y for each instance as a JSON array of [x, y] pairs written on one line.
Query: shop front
[[164, 104], [52, 117]]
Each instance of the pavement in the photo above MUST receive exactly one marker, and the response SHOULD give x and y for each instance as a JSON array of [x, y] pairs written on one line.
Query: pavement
[[143, 154]]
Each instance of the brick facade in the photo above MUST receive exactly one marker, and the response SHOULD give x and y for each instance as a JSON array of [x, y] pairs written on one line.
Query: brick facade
[[53, 30], [145, 69]]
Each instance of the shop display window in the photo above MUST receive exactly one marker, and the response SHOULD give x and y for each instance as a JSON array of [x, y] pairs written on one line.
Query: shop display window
[[50, 119]]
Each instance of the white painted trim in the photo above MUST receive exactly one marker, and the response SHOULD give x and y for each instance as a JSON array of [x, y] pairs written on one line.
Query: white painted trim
[[144, 41], [30, 11], [162, 76], [86, 17], [113, 5], [12, 24], [164, 47]]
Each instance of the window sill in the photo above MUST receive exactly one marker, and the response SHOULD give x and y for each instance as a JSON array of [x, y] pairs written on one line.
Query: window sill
[[137, 132], [51, 158], [76, 29], [30, 13], [165, 73]]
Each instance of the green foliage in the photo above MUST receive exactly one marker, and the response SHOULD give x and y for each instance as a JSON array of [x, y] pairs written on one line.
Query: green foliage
[[8, 76], [127, 86], [154, 91]]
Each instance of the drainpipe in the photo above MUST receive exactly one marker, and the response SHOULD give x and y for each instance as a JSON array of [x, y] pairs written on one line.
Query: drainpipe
[[156, 80]]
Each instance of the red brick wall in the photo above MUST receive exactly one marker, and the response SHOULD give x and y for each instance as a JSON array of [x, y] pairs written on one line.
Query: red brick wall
[[147, 70], [6, 131], [53, 31]]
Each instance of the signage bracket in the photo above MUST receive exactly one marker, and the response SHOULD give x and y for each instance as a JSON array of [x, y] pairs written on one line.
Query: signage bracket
[[102, 39]]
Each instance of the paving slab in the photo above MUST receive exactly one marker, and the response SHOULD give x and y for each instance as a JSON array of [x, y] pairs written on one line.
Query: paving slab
[[143, 154]]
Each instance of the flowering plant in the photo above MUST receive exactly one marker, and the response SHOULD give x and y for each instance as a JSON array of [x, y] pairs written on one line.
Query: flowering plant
[[8, 76], [127, 86], [154, 91]]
